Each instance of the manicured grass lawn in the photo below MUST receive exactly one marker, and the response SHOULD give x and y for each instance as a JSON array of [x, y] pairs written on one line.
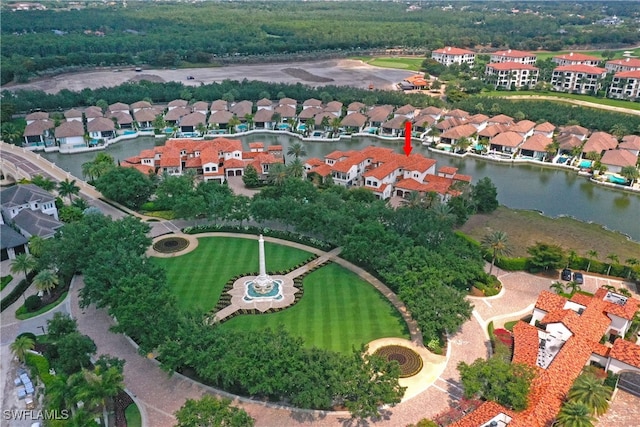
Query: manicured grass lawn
[[21, 312], [562, 96], [525, 228], [5, 281], [597, 54], [197, 278], [337, 312], [402, 63], [132, 414]]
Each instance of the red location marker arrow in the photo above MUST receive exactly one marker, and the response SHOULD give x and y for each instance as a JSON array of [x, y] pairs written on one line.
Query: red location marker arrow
[[407, 138]]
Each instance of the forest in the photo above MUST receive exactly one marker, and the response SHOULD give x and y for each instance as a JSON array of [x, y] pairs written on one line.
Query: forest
[[177, 34]]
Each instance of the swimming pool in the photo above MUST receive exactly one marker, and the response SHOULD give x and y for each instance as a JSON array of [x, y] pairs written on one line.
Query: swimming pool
[[585, 164], [617, 180]]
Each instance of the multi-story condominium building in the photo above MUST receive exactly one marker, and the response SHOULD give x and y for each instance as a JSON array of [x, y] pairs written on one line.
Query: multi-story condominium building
[[576, 59], [577, 78], [625, 85], [625, 64], [452, 55], [512, 55], [511, 74]]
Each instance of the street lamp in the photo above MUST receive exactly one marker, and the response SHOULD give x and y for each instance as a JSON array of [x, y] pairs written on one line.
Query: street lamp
[[42, 327]]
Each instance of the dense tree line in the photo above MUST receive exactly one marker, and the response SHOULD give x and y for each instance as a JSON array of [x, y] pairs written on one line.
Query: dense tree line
[[171, 34], [25, 101]]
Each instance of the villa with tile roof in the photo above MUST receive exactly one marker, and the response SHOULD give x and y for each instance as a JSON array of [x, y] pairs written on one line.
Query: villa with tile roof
[[617, 159], [579, 78], [563, 336], [210, 160], [385, 172], [576, 59], [512, 55], [510, 75], [624, 64], [625, 85], [452, 55]]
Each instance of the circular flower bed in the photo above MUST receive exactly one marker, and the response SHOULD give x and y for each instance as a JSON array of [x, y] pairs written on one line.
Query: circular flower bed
[[410, 362], [170, 245]]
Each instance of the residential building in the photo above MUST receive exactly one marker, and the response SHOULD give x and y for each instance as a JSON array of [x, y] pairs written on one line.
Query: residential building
[[70, 134], [101, 128], [617, 159], [452, 55], [624, 64], [385, 172], [599, 142], [576, 59], [584, 79], [510, 75], [210, 160], [563, 336], [625, 85], [30, 209], [535, 147], [506, 142], [631, 143], [38, 133], [512, 55]]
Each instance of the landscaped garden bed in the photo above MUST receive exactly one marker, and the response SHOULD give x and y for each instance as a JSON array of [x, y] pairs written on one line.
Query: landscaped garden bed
[[170, 245], [409, 361]]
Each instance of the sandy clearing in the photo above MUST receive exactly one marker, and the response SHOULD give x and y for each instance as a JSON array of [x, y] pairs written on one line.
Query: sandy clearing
[[339, 72]]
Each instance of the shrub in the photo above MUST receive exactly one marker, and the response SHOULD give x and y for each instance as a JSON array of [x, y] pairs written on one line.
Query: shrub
[[39, 367], [512, 264], [17, 291], [149, 206], [33, 303], [28, 335]]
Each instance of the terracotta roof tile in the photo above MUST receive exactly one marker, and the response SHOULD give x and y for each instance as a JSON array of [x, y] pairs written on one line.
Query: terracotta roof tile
[[626, 351], [549, 301]]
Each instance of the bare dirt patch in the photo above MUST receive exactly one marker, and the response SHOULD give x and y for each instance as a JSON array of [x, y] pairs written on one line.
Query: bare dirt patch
[[306, 76], [525, 228], [148, 77]]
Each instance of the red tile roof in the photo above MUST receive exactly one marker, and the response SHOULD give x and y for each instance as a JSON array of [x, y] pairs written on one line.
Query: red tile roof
[[627, 62], [626, 351], [482, 415], [509, 66], [549, 301], [600, 141], [537, 142], [512, 53], [619, 158], [628, 74], [448, 170], [448, 50], [545, 127], [581, 68], [525, 343], [577, 57], [382, 171], [322, 170], [507, 139]]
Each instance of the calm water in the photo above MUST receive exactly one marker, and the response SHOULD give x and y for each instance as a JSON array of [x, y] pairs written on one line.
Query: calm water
[[551, 191]]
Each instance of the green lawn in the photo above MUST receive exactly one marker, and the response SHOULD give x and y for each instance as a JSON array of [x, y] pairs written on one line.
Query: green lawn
[[402, 63], [337, 312], [562, 96], [197, 278], [132, 414], [598, 54]]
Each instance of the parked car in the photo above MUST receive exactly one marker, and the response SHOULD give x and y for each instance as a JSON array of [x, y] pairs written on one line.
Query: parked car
[[566, 274], [190, 78], [578, 278]]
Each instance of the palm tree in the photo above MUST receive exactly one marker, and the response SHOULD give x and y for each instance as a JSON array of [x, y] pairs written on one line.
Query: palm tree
[[632, 263], [571, 258], [68, 188], [591, 392], [276, 117], [443, 212], [574, 414], [277, 174], [11, 133], [631, 173], [46, 184], [201, 128], [36, 245], [335, 125], [59, 394], [249, 119], [310, 124], [23, 263], [614, 260], [496, 242], [618, 130], [100, 387], [46, 280], [80, 203], [593, 254], [415, 199], [573, 287], [296, 150], [21, 346], [463, 143], [233, 122], [557, 287], [295, 169]]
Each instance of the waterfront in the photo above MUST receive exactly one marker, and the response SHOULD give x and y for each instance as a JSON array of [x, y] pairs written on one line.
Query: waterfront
[[555, 192]]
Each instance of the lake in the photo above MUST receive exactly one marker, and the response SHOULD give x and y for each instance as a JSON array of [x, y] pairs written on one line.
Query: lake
[[554, 192]]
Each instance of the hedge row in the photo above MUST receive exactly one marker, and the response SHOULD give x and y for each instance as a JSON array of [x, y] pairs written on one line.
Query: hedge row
[[17, 291], [39, 368], [278, 234]]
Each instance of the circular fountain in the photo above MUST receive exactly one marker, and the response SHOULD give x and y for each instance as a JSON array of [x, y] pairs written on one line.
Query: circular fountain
[[263, 287]]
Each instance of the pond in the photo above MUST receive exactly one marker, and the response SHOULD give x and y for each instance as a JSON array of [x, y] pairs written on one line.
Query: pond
[[554, 192]]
